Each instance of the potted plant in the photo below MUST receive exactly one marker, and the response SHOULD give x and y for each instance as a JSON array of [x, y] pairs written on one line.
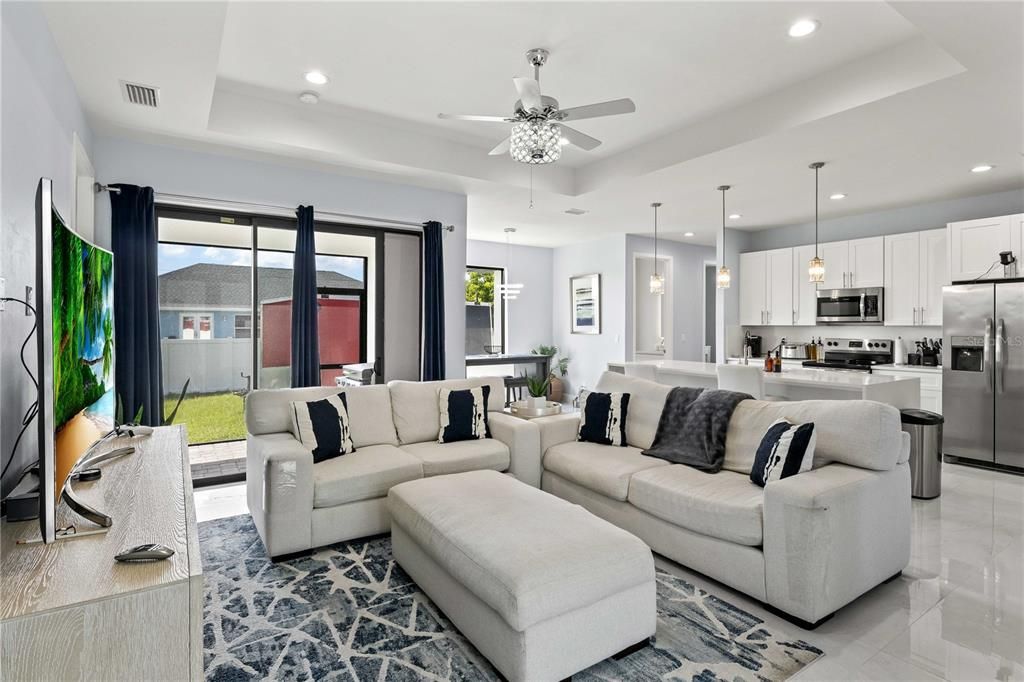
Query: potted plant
[[538, 388], [559, 368]]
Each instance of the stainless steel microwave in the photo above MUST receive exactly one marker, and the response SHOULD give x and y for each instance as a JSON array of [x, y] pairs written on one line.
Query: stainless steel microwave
[[850, 306]]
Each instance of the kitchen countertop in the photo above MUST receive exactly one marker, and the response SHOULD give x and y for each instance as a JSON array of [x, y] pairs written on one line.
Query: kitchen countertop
[[793, 375], [911, 368]]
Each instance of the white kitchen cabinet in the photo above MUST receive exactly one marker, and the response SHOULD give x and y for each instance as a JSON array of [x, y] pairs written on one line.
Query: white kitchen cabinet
[[915, 272], [866, 262], [930, 379], [1017, 241], [934, 276], [779, 286], [902, 279], [974, 246], [805, 292], [837, 264], [753, 294]]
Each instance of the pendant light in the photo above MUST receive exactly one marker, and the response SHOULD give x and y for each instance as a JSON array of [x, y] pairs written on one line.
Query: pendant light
[[816, 268], [657, 281], [724, 278], [508, 290]]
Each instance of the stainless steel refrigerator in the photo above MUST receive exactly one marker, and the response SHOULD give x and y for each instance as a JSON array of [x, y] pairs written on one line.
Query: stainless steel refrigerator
[[983, 372]]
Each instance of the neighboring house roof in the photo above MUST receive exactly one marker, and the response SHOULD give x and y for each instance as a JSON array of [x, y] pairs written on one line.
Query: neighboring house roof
[[226, 286]]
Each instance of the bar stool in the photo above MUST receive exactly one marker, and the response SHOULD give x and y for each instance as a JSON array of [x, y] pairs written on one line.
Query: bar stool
[[744, 379]]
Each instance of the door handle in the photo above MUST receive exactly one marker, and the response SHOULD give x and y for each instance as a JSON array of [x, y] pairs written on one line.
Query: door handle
[[986, 354], [794, 317], [862, 296], [915, 317], [922, 315], [851, 278], [1000, 356], [844, 280]]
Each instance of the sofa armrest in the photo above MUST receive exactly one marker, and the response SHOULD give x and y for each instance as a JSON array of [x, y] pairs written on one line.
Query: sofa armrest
[[523, 441], [560, 428], [279, 490], [833, 533]]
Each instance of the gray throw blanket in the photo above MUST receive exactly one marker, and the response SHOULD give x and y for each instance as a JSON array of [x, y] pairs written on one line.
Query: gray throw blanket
[[693, 425]]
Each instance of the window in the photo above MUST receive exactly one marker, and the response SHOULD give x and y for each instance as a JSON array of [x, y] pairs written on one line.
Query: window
[[243, 326], [485, 311]]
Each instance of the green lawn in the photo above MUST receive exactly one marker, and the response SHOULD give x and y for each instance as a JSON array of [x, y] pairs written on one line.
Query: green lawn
[[210, 417]]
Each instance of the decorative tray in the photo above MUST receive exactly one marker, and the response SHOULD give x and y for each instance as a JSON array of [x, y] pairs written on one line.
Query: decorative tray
[[524, 410]]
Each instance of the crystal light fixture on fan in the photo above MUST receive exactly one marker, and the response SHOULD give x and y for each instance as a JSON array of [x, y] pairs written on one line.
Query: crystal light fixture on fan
[[508, 290], [816, 268], [724, 278], [536, 142], [657, 280]]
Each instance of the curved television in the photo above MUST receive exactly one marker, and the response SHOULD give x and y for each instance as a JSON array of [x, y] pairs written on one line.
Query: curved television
[[75, 343]]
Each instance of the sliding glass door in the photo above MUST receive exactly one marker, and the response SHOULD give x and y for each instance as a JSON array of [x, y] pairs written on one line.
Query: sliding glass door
[[226, 325]]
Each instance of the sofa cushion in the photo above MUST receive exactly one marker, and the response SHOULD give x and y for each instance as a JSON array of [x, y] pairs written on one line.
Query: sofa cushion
[[861, 433], [725, 505], [605, 469], [416, 410], [362, 475], [646, 401], [528, 555], [369, 411], [464, 455]]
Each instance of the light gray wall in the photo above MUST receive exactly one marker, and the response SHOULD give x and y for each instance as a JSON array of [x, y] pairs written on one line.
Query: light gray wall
[[893, 221], [589, 354], [687, 289], [41, 113], [222, 177], [530, 314]]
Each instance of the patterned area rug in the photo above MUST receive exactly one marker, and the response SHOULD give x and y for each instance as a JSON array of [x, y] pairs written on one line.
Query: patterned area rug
[[349, 612]]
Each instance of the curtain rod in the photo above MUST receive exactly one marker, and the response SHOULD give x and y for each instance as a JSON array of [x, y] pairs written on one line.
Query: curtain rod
[[184, 199]]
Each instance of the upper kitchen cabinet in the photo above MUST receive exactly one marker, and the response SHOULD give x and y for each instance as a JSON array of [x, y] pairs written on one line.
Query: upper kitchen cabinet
[[1017, 240], [805, 292], [974, 245], [753, 289], [915, 272], [837, 264], [866, 262], [779, 278], [934, 275], [854, 263]]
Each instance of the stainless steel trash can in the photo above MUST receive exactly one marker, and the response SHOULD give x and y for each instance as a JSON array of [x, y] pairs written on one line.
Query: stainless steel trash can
[[925, 429]]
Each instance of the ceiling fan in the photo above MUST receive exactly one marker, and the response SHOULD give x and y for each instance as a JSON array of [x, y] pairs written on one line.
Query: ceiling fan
[[538, 130]]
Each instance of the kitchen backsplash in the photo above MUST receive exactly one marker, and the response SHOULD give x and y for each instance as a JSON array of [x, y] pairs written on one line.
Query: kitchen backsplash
[[771, 336]]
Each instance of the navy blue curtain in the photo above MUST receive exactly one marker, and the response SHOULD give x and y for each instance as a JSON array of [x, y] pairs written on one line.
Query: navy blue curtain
[[305, 342], [433, 301], [137, 376]]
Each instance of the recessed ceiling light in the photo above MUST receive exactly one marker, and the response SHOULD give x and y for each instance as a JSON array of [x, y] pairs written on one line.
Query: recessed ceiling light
[[309, 97], [983, 168], [687, 234], [735, 216], [837, 196], [803, 27], [316, 77]]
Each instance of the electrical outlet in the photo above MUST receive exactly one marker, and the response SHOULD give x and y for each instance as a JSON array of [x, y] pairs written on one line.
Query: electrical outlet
[[3, 292], [28, 299]]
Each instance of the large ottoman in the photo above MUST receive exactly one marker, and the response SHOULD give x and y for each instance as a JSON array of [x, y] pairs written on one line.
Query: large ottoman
[[540, 586]]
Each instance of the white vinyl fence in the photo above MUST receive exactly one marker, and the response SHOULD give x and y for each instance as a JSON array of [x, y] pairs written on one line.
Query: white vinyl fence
[[214, 365]]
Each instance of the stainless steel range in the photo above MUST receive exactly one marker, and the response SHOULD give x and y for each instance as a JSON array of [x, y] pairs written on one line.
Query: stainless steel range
[[854, 354]]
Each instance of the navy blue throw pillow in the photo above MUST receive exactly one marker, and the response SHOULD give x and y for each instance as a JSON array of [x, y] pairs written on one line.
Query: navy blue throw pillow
[[786, 450]]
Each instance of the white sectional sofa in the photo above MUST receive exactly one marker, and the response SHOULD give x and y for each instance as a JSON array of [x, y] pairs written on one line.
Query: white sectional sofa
[[805, 545], [298, 505]]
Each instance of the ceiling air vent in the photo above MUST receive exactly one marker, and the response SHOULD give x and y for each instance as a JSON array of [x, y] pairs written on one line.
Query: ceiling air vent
[[575, 211], [136, 93]]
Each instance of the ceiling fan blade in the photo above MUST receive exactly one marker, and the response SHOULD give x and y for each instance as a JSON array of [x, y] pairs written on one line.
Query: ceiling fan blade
[[529, 93], [502, 147], [581, 140], [616, 106], [471, 117]]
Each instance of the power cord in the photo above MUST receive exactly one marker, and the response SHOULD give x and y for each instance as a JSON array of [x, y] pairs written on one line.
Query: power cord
[[33, 409]]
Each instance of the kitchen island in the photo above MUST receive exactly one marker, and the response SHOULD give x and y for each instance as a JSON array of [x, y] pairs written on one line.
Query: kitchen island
[[793, 383]]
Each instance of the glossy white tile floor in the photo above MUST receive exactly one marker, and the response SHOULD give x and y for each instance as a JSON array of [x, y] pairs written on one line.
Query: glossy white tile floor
[[957, 613]]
